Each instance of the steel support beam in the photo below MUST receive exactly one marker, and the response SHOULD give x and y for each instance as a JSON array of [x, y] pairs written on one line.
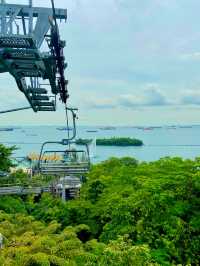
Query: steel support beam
[[10, 13]]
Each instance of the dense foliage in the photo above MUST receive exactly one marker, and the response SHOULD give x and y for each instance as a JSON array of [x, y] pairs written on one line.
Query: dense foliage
[[112, 142], [30, 242], [5, 161], [128, 213]]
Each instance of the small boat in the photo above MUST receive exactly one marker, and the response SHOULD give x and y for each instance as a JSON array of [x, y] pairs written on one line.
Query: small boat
[[64, 128], [148, 128], [6, 129]]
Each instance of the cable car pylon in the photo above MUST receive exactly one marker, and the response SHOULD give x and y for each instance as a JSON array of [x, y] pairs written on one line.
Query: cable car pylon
[[23, 30]]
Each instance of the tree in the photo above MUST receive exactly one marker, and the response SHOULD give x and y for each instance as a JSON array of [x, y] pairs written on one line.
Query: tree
[[5, 160]]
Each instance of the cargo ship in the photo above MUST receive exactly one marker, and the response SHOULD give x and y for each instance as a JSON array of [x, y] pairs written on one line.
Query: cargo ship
[[64, 128], [6, 129], [91, 131]]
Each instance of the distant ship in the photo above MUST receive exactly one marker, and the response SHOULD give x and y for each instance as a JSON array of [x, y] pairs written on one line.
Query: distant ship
[[107, 128], [185, 126], [64, 128], [171, 127], [6, 129]]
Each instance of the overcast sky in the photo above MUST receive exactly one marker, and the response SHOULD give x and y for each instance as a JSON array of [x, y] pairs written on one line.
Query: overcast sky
[[129, 62]]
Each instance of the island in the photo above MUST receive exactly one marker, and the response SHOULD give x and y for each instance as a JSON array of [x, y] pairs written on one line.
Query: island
[[115, 141]]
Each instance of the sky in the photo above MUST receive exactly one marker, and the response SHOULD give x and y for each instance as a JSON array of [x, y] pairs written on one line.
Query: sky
[[130, 63]]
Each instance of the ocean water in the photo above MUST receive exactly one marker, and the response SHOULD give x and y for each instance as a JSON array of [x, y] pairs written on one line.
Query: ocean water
[[158, 142]]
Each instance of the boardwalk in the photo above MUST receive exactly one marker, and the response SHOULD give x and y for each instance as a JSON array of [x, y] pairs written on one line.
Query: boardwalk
[[67, 187], [19, 190]]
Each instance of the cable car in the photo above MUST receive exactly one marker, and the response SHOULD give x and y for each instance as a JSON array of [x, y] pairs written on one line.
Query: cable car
[[65, 162]]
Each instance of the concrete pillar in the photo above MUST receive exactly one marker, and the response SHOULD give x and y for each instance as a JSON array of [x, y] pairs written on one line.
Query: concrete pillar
[[63, 193]]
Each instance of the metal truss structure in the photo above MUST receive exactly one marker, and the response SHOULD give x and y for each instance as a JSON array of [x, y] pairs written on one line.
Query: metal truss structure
[[39, 74]]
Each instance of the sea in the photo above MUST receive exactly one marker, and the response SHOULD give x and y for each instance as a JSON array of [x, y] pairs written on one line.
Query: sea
[[173, 141]]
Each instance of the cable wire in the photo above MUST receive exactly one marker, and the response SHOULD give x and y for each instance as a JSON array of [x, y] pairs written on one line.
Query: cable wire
[[15, 110], [67, 119]]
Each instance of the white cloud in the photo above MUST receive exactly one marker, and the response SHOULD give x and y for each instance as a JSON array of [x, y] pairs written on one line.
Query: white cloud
[[150, 96]]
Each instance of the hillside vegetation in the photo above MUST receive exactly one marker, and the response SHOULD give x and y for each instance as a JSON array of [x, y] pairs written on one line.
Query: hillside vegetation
[[128, 213]]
